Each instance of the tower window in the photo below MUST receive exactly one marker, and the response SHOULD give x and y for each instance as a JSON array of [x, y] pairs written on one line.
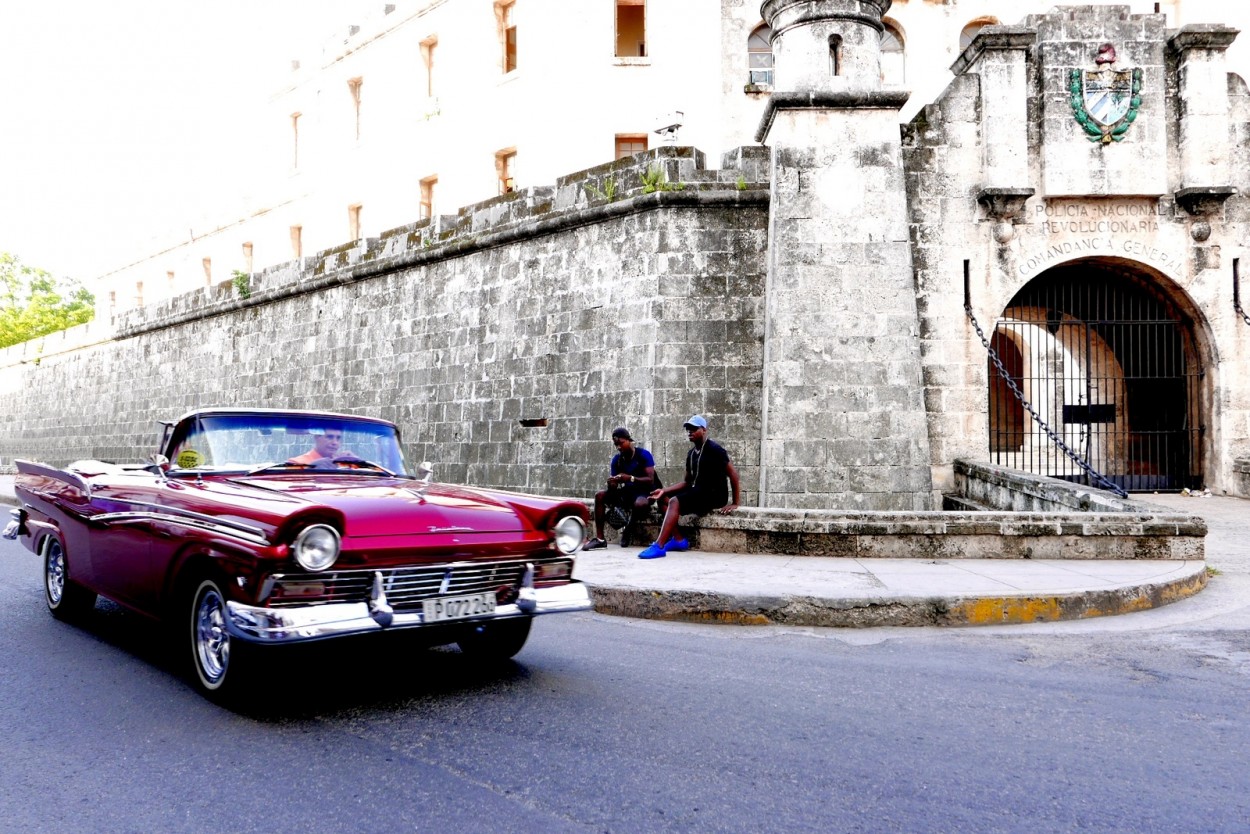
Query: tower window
[[760, 56], [892, 61]]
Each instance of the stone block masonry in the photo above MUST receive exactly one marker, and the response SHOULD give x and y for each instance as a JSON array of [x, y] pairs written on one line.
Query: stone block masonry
[[506, 341]]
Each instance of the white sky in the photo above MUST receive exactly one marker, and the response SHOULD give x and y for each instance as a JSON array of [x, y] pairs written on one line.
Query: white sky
[[110, 108]]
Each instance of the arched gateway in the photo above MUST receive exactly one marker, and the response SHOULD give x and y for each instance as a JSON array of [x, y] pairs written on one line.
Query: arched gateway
[[1106, 354]]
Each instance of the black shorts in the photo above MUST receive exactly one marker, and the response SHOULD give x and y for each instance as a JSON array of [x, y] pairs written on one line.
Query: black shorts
[[626, 496], [695, 502]]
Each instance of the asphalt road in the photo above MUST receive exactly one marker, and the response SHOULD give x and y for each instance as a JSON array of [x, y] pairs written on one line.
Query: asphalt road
[[1134, 723]]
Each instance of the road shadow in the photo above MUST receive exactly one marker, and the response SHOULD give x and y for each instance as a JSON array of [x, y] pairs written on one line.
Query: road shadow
[[309, 680]]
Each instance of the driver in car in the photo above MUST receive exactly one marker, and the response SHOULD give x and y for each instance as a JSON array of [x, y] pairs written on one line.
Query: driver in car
[[325, 450]]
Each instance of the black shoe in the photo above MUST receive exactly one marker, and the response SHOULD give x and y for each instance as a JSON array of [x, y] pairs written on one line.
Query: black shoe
[[625, 537], [594, 544]]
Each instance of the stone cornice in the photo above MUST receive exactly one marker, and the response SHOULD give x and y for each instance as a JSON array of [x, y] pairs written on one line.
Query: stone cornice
[[1202, 200], [1004, 203], [1202, 36], [787, 14], [995, 39], [826, 100]]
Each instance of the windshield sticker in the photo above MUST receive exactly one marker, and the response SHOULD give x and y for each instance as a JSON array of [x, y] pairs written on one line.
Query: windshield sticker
[[189, 459]]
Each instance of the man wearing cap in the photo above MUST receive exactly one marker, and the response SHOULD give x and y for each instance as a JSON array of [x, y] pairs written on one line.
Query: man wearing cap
[[703, 490], [632, 476]]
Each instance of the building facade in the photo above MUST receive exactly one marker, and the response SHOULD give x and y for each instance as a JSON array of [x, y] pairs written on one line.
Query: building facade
[[1041, 268], [426, 106]]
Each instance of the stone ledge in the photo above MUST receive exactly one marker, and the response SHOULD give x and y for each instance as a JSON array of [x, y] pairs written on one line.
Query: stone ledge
[[946, 535]]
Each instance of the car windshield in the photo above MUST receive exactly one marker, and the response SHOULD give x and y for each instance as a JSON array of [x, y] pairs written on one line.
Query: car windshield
[[254, 442]]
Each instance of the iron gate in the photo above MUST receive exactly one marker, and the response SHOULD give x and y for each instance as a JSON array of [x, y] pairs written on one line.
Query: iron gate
[[1106, 361]]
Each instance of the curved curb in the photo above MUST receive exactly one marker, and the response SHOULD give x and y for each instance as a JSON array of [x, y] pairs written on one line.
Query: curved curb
[[703, 607]]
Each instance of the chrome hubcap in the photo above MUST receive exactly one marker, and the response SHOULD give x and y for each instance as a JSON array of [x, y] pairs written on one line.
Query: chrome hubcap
[[55, 572], [212, 643]]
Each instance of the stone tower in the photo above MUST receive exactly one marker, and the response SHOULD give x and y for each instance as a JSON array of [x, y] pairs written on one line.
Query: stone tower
[[844, 422]]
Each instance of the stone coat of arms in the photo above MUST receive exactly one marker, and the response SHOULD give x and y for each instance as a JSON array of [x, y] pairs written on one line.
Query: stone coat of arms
[[1105, 100]]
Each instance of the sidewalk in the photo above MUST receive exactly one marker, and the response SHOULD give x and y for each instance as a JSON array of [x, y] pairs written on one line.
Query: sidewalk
[[820, 591]]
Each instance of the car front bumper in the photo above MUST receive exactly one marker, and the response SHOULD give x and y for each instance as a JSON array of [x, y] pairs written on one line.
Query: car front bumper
[[258, 624]]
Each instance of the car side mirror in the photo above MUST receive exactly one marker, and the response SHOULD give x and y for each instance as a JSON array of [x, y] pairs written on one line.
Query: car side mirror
[[425, 472], [158, 465]]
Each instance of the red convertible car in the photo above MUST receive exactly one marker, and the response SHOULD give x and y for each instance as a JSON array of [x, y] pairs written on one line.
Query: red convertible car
[[255, 527]]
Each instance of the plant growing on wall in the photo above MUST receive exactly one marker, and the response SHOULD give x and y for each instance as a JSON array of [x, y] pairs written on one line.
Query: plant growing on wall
[[33, 303], [242, 283], [608, 192], [654, 179]]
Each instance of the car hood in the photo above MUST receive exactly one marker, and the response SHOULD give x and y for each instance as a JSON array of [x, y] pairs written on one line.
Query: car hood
[[373, 507]]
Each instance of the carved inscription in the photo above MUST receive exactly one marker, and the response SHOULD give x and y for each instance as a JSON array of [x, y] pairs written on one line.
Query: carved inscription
[[1119, 229], [1098, 218], [1095, 247]]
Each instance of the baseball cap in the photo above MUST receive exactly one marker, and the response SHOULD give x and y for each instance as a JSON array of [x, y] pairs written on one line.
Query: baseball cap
[[621, 431], [696, 421]]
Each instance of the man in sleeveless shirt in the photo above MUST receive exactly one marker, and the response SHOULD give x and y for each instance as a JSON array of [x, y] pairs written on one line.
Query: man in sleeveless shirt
[[703, 490]]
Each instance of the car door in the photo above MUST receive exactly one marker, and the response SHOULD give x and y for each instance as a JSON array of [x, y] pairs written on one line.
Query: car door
[[122, 523]]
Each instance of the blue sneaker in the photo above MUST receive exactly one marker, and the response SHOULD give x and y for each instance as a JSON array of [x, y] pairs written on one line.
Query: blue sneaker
[[676, 544], [653, 551]]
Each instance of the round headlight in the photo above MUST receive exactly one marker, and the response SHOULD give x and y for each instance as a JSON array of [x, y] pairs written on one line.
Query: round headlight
[[570, 531], [316, 547]]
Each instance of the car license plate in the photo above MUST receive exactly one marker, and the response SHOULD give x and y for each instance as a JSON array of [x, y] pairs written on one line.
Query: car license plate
[[457, 608]]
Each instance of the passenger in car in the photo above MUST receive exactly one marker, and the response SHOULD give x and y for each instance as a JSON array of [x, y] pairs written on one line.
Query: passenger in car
[[326, 444]]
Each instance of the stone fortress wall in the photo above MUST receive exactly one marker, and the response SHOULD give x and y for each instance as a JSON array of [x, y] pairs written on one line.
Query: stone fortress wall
[[808, 296], [506, 341]]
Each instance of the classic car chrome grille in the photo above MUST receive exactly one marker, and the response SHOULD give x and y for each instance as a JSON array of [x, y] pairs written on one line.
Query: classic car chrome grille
[[405, 587]]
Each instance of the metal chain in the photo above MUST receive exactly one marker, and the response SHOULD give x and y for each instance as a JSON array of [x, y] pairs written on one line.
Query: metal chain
[[1240, 312], [1237, 291], [1094, 474]]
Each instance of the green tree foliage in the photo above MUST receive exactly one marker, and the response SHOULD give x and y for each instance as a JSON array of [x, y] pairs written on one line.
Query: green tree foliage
[[33, 303]]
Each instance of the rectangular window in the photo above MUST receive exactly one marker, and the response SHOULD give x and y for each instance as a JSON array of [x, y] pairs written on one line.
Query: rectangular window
[[505, 168], [353, 87], [247, 258], [208, 272], [631, 29], [295, 140], [628, 144], [427, 197], [353, 222], [169, 280], [507, 34], [429, 47], [297, 242], [138, 293]]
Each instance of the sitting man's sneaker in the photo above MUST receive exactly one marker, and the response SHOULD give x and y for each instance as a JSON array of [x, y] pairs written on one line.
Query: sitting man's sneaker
[[594, 544], [676, 545], [653, 551]]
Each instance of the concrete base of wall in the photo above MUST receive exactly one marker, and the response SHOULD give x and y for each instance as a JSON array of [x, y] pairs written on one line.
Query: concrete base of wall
[[1062, 521]]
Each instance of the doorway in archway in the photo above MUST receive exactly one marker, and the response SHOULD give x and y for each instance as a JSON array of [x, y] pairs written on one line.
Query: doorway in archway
[[1108, 361]]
